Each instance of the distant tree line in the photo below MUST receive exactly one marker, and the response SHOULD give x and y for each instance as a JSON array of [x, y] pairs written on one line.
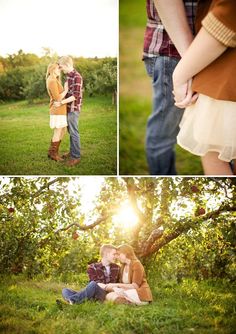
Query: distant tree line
[[22, 75]]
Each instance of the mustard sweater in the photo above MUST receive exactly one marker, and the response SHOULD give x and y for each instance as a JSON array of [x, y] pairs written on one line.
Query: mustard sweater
[[218, 80], [54, 90]]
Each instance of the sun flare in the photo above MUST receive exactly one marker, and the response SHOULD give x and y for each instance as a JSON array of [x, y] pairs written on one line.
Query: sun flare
[[125, 217]]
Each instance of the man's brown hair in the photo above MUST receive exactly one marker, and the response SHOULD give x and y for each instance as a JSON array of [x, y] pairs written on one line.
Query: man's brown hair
[[106, 247]]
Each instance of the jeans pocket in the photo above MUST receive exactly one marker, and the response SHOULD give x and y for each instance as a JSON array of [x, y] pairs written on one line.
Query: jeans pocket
[[150, 65]]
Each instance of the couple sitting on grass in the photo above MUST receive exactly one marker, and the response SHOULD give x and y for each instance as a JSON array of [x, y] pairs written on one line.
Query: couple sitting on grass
[[65, 106], [108, 281]]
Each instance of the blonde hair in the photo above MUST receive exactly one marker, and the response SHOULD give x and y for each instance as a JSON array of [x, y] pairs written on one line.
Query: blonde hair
[[105, 248], [51, 69], [50, 73], [128, 251], [66, 60]]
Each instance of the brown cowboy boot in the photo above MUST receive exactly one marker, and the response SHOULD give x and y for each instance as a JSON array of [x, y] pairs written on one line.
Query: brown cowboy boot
[[73, 162], [53, 151], [66, 155]]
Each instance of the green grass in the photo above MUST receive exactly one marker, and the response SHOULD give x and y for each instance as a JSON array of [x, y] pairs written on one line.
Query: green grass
[[133, 118], [28, 307], [25, 136], [136, 97]]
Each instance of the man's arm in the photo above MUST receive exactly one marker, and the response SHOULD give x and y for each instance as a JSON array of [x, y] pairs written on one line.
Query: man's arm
[[173, 16], [92, 274], [77, 89]]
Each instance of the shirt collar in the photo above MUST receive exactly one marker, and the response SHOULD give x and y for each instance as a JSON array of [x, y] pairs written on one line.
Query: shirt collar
[[71, 74]]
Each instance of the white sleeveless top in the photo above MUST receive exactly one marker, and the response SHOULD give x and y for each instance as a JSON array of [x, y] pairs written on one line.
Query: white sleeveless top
[[125, 277]]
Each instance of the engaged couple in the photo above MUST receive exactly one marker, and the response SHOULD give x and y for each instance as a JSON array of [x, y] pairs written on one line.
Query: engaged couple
[[190, 55], [65, 107], [125, 284]]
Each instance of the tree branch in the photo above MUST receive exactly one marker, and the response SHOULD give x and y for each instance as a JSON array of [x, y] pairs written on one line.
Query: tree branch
[[84, 227], [161, 239], [221, 186], [46, 186]]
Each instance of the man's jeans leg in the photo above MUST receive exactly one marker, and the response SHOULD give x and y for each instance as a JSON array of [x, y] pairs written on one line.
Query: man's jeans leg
[[73, 119], [92, 291], [163, 123]]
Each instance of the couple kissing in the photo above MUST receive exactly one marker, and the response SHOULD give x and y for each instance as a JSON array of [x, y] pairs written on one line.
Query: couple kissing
[[125, 284]]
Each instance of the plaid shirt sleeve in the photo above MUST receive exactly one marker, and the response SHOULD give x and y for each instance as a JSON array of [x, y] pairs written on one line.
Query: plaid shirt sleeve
[[92, 274], [77, 87], [75, 84]]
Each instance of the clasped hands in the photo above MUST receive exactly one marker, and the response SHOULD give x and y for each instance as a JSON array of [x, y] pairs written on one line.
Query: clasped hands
[[183, 94], [108, 287]]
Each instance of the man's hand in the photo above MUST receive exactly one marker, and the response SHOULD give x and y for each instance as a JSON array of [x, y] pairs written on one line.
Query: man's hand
[[102, 285], [56, 104], [66, 87], [110, 287], [183, 93]]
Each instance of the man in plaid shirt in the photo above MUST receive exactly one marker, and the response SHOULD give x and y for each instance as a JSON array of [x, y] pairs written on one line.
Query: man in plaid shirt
[[100, 274], [73, 100], [165, 19]]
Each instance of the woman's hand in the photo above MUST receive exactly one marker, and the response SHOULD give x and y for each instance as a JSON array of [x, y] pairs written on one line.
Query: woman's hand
[[57, 104], [102, 285], [183, 93], [111, 286]]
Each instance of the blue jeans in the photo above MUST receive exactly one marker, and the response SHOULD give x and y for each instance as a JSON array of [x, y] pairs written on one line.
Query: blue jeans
[[73, 119], [92, 291], [163, 123]]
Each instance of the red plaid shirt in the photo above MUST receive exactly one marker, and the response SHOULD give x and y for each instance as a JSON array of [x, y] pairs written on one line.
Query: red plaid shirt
[[156, 39], [97, 272], [75, 88]]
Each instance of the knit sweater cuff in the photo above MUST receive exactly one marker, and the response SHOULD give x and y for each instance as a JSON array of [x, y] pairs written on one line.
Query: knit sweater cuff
[[218, 30]]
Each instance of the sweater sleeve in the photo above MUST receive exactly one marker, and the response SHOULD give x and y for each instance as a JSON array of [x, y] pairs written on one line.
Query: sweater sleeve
[[137, 274], [220, 22], [53, 88]]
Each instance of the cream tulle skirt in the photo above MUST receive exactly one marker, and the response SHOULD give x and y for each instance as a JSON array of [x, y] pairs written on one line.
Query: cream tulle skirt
[[58, 121], [209, 125], [131, 295]]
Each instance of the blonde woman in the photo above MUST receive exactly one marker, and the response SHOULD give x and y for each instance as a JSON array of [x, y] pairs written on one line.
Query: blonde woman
[[58, 117], [133, 287]]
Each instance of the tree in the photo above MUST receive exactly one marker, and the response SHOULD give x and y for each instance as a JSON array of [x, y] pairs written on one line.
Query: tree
[[157, 203], [40, 216]]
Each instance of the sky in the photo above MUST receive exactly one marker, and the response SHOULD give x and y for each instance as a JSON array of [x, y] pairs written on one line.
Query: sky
[[87, 28]]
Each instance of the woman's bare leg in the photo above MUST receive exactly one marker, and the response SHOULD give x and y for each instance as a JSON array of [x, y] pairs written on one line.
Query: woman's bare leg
[[214, 166], [56, 135], [63, 132], [234, 170]]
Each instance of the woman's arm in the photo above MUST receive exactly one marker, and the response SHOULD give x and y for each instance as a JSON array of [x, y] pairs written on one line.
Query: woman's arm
[[65, 91], [174, 19], [110, 286], [68, 100], [202, 52]]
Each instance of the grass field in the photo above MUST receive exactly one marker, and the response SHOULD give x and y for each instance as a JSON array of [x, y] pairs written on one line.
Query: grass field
[[25, 136], [28, 307], [136, 96]]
